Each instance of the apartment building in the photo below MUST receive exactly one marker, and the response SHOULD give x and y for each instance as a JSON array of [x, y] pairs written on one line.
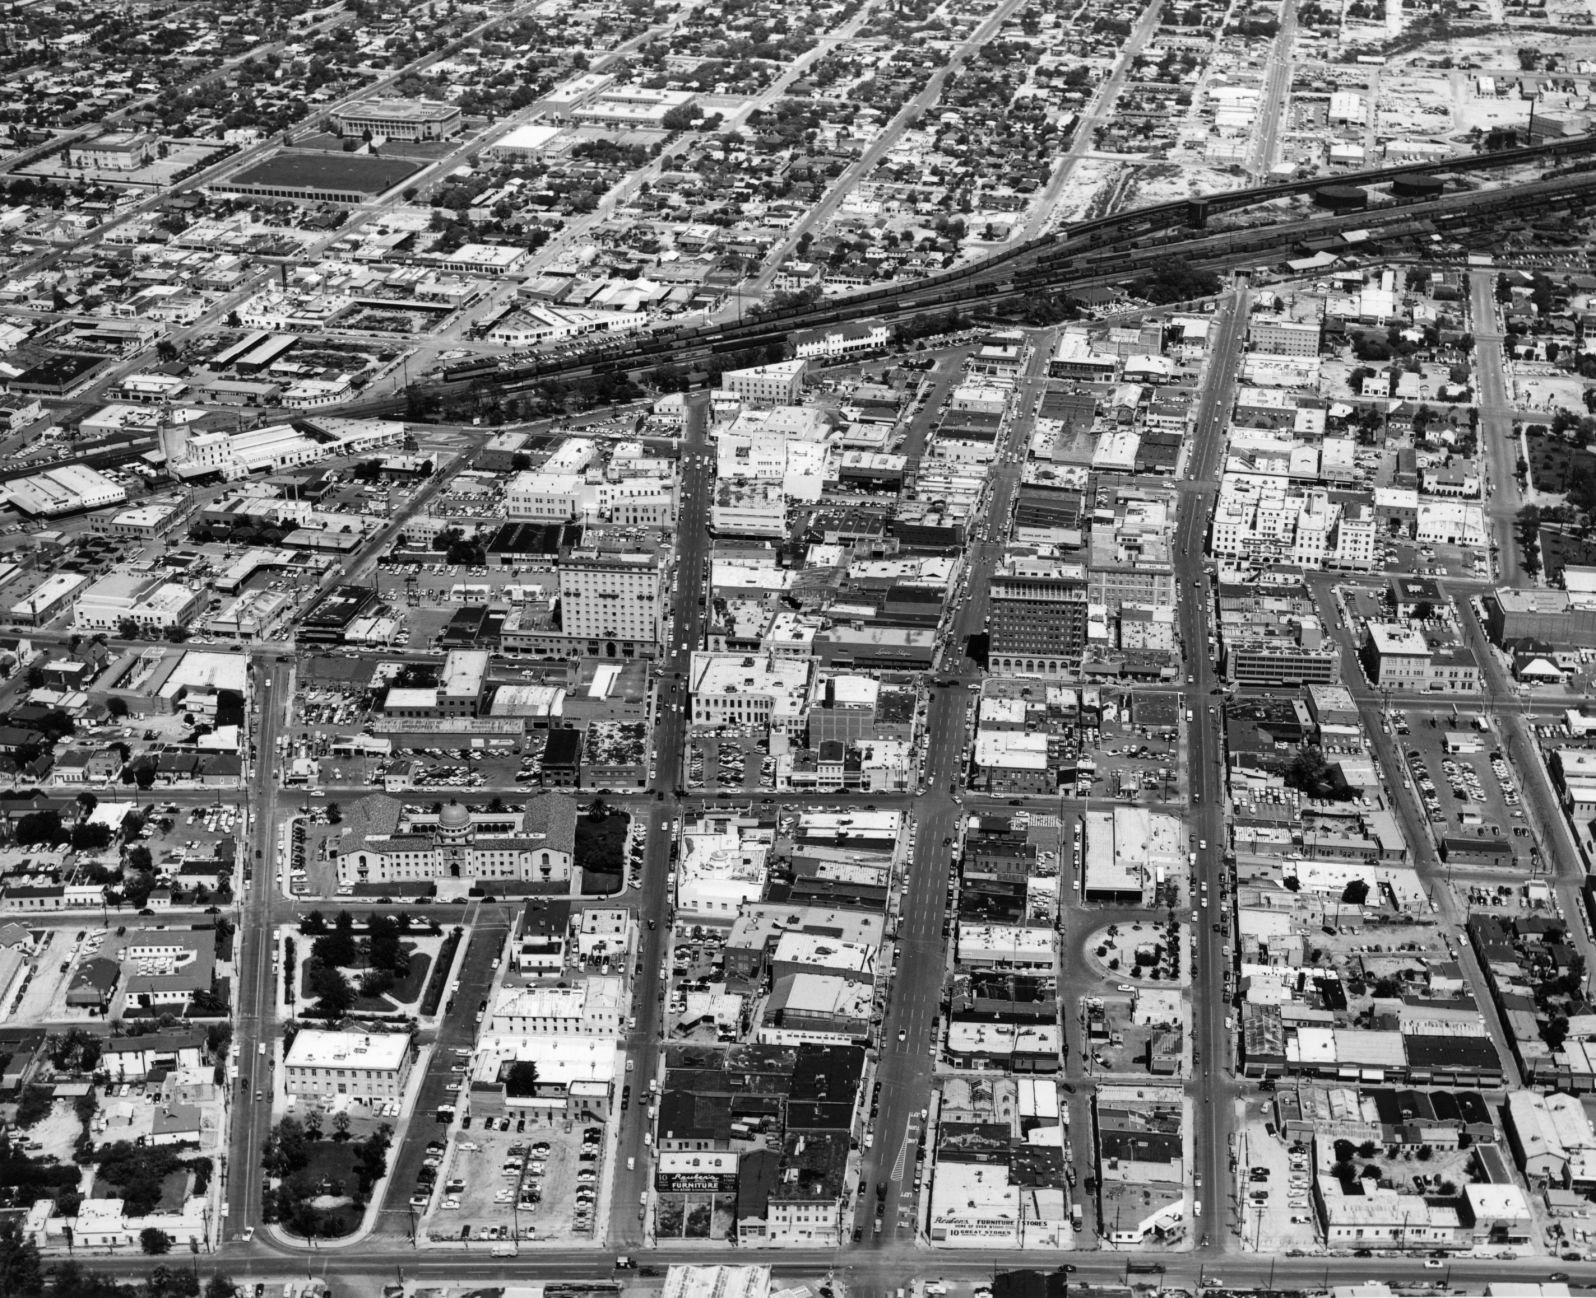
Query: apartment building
[[1263, 518]]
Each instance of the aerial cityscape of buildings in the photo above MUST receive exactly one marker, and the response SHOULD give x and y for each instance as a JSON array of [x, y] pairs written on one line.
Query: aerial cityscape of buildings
[[715, 649]]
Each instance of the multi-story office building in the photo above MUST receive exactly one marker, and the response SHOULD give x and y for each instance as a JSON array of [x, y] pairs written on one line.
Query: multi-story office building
[[611, 604], [543, 497], [1282, 336], [780, 384], [372, 1065], [1038, 613], [750, 689], [1396, 657]]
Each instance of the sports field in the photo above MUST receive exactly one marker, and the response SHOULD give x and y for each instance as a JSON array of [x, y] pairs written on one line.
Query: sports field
[[334, 172]]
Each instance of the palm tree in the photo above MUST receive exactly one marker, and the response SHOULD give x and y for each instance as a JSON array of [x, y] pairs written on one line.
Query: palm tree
[[340, 1125]]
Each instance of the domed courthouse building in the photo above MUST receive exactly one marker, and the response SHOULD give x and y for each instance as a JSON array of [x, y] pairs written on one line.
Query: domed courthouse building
[[385, 840]]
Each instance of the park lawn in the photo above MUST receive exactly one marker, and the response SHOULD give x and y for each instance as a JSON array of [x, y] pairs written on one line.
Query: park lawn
[[406, 991], [331, 1160], [599, 843], [598, 851], [329, 1164]]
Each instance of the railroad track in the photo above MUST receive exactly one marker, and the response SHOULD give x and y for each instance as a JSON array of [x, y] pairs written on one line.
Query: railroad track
[[1060, 262]]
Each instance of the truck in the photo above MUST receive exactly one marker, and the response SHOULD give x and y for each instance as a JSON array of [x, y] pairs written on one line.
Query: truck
[[1077, 1218], [503, 1250]]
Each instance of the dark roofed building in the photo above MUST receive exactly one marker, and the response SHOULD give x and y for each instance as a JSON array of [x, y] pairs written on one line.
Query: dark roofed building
[[93, 984], [562, 759], [691, 1120], [758, 1172], [468, 629], [1140, 1146], [328, 621], [513, 542], [1456, 1059]]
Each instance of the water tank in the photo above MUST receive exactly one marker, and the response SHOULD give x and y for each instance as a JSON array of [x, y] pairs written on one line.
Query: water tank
[[1340, 198], [1418, 187]]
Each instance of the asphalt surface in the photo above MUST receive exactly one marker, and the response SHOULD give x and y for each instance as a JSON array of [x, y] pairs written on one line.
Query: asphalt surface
[[1277, 81], [904, 1067], [362, 1271], [254, 1026], [1497, 441], [1213, 1075], [654, 902]]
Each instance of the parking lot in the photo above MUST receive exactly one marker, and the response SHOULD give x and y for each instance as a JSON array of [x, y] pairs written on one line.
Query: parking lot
[[326, 706], [311, 871], [1510, 900], [697, 962], [323, 747], [731, 760], [1274, 1187], [442, 585], [40, 995], [1412, 559], [507, 1178], [1131, 763], [1466, 794]]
